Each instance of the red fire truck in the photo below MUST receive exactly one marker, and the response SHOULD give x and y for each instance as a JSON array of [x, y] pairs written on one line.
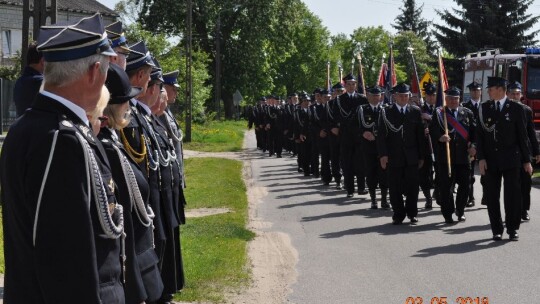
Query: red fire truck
[[524, 68]]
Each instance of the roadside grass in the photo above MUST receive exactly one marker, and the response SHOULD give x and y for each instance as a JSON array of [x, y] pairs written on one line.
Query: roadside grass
[[217, 136], [214, 248]]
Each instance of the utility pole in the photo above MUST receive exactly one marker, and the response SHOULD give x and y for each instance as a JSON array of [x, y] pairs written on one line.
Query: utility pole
[[189, 80], [217, 89], [39, 16]]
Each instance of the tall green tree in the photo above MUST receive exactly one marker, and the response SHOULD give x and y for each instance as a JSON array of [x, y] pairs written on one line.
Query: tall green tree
[[373, 42], [411, 20], [486, 24], [402, 55]]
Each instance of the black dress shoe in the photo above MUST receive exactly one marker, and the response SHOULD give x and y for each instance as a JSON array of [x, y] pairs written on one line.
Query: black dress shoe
[[484, 201], [513, 235], [461, 218], [300, 170], [338, 186], [396, 222], [385, 205], [362, 192], [429, 204], [374, 206], [306, 173], [525, 216], [470, 204], [350, 194], [278, 156], [414, 220], [449, 220], [326, 183], [497, 237]]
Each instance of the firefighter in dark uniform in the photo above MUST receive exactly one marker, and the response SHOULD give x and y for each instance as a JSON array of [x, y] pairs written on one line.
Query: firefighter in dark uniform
[[143, 280], [62, 226], [274, 125], [473, 104], [427, 170], [257, 119], [368, 115], [321, 124], [461, 141], [288, 120], [335, 151], [346, 115], [314, 132], [301, 134], [400, 144], [502, 151], [514, 93]]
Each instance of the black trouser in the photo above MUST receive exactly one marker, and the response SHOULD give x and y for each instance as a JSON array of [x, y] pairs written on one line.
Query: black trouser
[[460, 176], [353, 165], [315, 154], [375, 175], [275, 140], [426, 176], [402, 180], [512, 198], [261, 141], [304, 156], [526, 183], [335, 157], [324, 149], [472, 179]]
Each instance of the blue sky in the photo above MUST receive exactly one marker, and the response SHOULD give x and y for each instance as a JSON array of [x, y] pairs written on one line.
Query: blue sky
[[343, 16]]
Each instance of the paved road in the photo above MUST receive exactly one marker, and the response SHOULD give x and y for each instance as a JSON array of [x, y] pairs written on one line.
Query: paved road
[[349, 253]]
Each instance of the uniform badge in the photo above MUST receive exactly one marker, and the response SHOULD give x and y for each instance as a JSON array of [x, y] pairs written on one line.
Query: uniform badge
[[66, 123], [86, 131], [111, 185]]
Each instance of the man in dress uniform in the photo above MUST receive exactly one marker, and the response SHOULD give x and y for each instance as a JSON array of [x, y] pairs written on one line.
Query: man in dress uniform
[[461, 140], [314, 132], [514, 93], [345, 114], [115, 33], [426, 172], [473, 104], [321, 125], [62, 227], [274, 126], [257, 119], [375, 175], [334, 137], [400, 144], [302, 135], [502, 151], [288, 120]]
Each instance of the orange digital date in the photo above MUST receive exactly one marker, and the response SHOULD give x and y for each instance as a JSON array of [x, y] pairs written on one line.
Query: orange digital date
[[444, 300]]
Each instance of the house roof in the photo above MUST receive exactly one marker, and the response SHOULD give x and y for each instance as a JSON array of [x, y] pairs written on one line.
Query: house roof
[[79, 6]]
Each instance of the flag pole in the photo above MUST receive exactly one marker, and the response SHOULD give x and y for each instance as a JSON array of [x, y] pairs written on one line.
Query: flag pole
[[442, 83], [361, 71], [328, 84]]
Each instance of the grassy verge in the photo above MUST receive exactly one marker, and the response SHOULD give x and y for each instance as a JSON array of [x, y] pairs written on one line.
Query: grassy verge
[[222, 136], [214, 247]]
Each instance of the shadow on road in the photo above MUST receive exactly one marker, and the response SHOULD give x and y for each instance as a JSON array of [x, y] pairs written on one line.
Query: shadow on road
[[459, 248]]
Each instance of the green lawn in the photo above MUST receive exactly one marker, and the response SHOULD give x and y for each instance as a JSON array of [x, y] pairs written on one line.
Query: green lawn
[[214, 248], [222, 136]]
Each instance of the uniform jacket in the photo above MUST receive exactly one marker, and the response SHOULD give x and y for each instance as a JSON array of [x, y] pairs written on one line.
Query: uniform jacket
[[401, 137], [66, 258], [458, 145], [345, 115], [368, 119], [531, 133], [502, 136]]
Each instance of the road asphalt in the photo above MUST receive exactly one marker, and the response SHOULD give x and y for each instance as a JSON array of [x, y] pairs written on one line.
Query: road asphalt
[[349, 253]]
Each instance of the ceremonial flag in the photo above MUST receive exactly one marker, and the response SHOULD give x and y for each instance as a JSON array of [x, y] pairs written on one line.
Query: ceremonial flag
[[415, 88], [390, 77], [427, 78], [360, 84], [381, 82]]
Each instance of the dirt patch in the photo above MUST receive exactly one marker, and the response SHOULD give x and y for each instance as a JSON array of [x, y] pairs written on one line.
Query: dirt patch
[[202, 212], [272, 256]]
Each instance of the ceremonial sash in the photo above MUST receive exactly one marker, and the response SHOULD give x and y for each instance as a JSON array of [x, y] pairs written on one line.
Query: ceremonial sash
[[460, 129]]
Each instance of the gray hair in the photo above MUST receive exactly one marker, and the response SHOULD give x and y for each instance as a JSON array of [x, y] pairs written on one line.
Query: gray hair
[[65, 72]]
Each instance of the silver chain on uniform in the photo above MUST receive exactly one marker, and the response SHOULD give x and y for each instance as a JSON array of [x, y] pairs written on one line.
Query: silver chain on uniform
[[362, 119]]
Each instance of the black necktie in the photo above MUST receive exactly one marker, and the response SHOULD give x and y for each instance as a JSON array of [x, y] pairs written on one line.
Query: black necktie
[[430, 109], [454, 113], [498, 106], [403, 111]]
